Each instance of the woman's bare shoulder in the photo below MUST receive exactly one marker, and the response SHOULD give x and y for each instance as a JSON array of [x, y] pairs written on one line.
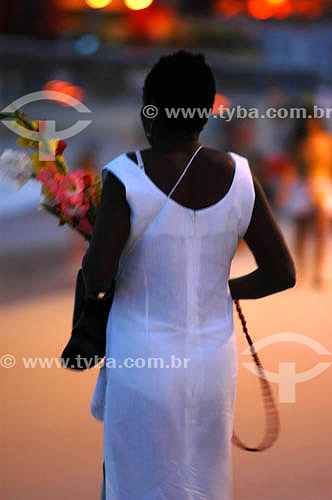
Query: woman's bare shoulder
[[217, 157]]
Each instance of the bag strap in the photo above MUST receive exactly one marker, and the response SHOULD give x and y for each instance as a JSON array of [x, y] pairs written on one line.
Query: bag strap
[[272, 426], [141, 165]]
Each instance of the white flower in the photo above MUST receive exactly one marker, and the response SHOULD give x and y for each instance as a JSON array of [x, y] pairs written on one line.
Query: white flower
[[16, 166], [44, 200]]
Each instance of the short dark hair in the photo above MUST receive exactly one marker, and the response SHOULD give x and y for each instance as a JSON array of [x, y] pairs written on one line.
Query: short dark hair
[[181, 80]]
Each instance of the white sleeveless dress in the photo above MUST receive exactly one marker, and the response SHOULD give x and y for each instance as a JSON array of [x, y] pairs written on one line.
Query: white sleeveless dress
[[167, 429]]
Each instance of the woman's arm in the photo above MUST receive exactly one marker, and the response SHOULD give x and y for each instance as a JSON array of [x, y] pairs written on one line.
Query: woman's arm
[[110, 234], [276, 269]]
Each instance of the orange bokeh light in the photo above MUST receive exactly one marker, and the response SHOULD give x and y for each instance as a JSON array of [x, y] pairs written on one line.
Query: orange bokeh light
[[229, 7], [276, 2], [138, 4], [71, 4], [156, 23], [220, 102], [264, 9], [65, 88], [284, 10], [260, 9], [309, 8], [98, 4]]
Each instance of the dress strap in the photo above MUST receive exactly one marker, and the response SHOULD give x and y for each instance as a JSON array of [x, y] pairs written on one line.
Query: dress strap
[[185, 170], [139, 160], [131, 247], [141, 165]]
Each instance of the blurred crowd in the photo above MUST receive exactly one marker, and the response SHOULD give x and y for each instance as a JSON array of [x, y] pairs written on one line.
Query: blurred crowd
[[297, 180]]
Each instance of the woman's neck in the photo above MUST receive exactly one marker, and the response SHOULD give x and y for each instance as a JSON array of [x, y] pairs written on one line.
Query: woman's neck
[[174, 142]]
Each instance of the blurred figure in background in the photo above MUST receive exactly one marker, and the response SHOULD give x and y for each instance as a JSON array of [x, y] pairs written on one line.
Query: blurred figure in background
[[270, 169], [306, 188]]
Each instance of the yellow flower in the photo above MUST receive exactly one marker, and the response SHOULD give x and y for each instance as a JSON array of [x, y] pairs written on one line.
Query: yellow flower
[[47, 192], [26, 143], [37, 165], [56, 147], [51, 146]]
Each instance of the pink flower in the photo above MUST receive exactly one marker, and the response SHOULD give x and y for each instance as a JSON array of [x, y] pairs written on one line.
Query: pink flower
[[77, 209], [71, 188], [50, 178]]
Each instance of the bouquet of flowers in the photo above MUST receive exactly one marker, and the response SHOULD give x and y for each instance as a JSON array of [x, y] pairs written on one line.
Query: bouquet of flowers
[[74, 198]]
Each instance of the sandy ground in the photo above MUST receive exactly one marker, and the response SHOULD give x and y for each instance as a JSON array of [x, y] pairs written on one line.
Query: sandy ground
[[52, 446]]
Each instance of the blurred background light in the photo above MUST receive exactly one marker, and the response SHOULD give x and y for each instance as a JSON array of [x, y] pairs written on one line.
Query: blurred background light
[[309, 8], [65, 88], [138, 4], [73, 5], [280, 9], [98, 4], [153, 24], [261, 9], [230, 7], [221, 102], [276, 2], [87, 44], [284, 9]]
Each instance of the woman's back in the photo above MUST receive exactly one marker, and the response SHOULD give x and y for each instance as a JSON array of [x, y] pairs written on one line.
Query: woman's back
[[184, 256], [172, 300], [207, 180]]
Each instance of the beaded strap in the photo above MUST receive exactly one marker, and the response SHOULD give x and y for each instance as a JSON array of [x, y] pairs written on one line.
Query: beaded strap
[[272, 426]]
